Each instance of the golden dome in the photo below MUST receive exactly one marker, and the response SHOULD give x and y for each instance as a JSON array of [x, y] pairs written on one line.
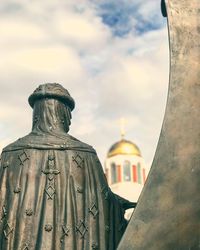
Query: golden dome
[[124, 147]]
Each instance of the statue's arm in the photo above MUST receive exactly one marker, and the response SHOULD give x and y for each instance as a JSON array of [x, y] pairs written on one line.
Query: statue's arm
[[126, 204]]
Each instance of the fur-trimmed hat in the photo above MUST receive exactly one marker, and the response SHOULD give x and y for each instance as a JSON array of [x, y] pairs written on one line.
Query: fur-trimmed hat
[[52, 90]]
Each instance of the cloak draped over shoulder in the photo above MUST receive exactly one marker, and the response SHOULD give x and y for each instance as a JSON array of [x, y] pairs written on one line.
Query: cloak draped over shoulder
[[55, 196]]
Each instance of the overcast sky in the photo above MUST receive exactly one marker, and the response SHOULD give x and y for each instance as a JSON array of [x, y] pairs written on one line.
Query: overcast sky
[[112, 56]]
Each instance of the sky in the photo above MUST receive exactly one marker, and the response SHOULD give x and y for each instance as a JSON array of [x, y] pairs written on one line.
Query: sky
[[112, 56]]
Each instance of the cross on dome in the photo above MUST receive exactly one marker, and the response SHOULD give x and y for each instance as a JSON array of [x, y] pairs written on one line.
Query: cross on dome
[[123, 122]]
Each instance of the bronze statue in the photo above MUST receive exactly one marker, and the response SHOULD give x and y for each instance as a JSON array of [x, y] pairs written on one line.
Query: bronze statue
[[53, 192]]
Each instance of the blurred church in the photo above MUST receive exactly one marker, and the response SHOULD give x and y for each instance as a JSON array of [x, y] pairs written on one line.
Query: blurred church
[[125, 169]]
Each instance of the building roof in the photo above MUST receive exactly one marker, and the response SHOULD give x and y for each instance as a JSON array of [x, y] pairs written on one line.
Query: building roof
[[124, 147]]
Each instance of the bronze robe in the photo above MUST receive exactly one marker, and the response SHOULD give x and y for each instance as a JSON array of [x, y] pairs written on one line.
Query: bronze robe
[[54, 195]]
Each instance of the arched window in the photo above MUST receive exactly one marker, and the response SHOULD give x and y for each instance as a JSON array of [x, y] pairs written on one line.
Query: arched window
[[127, 171], [139, 173], [134, 171], [113, 173]]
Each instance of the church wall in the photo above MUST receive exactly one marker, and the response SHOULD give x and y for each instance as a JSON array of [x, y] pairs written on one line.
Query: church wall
[[131, 186]]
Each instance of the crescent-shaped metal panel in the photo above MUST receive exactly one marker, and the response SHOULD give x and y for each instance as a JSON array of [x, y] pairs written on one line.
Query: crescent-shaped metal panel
[[168, 213]]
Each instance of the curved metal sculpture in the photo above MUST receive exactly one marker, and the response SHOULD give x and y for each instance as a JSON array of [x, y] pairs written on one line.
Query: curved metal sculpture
[[168, 212]]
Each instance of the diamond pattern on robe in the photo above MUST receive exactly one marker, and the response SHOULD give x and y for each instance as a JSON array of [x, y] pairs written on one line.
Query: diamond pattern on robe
[[4, 212], [78, 160], [50, 191], [94, 210], [51, 172], [7, 230], [23, 157], [82, 229], [66, 231], [106, 192], [26, 247]]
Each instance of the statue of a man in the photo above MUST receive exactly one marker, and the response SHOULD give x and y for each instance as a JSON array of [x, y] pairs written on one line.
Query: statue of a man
[[53, 192]]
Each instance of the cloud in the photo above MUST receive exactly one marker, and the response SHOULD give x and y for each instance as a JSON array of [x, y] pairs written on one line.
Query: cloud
[[135, 86], [83, 30], [19, 32], [111, 55]]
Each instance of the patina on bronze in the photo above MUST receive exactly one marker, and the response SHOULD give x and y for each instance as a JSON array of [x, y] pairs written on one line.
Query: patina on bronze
[[53, 192], [168, 212]]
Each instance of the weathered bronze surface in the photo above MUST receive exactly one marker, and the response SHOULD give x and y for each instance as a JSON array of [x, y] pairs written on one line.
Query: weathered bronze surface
[[167, 216], [53, 192]]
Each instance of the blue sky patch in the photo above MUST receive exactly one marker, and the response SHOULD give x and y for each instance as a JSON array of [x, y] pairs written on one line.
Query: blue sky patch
[[124, 17]]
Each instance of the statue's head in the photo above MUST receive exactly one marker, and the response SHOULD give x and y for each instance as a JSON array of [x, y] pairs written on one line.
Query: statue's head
[[52, 106]]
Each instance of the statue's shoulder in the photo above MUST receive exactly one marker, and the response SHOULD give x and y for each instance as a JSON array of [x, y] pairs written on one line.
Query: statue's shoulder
[[10, 146], [33, 141], [79, 145], [13, 147]]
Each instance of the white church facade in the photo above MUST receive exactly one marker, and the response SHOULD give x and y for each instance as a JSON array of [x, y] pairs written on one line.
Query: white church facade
[[126, 171]]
